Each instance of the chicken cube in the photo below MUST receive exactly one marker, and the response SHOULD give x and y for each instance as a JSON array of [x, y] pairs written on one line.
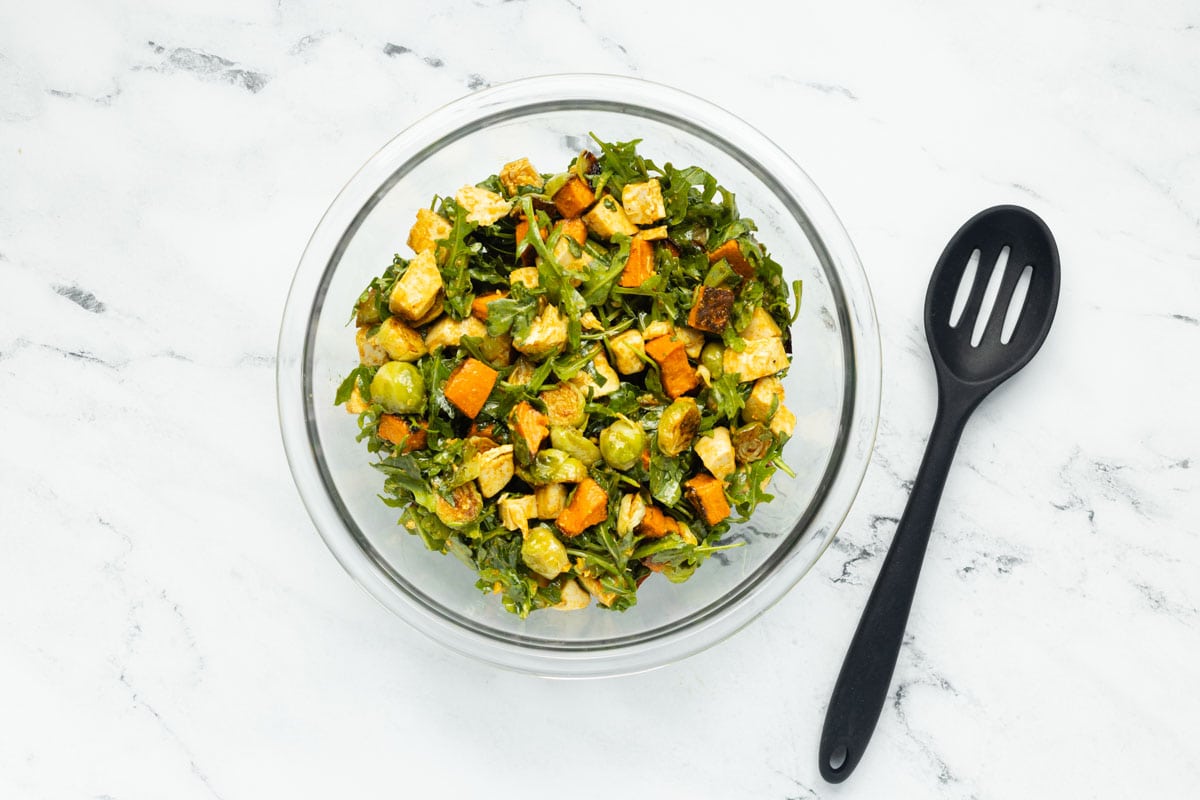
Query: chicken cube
[[415, 293], [370, 351], [448, 332], [516, 174], [400, 342], [610, 381], [693, 340], [526, 276], [607, 218], [516, 511], [627, 349], [652, 234], [784, 422], [765, 397], [547, 335], [762, 357], [495, 469], [483, 207], [428, 230], [761, 326], [716, 453], [643, 202], [551, 500], [573, 597]]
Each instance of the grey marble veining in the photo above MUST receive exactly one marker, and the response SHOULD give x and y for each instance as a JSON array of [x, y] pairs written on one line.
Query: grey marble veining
[[173, 628]]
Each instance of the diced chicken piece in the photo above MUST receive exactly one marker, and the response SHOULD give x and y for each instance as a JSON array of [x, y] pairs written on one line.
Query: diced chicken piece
[[400, 342], [783, 423], [764, 398], [370, 351], [448, 332], [566, 259], [551, 500], [573, 597], [762, 357], [547, 335], [516, 511], [428, 230], [356, 404], [654, 234], [526, 276], [483, 207], [433, 313], [693, 340], [761, 326], [607, 218], [609, 381], [589, 322], [516, 174], [417, 289], [643, 202], [627, 349], [495, 469], [658, 328], [716, 453], [597, 590]]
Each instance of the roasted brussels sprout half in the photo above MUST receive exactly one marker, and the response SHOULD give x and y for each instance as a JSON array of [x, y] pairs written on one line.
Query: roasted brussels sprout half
[[399, 388], [622, 444], [678, 426]]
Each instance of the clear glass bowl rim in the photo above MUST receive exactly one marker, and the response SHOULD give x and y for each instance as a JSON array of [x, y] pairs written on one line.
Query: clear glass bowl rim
[[419, 140]]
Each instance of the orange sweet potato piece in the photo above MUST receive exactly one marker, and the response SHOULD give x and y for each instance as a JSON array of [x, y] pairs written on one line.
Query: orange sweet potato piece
[[574, 198], [528, 254], [712, 310], [733, 254], [678, 376], [656, 524], [588, 506], [574, 228], [469, 385], [640, 265], [530, 424], [395, 430], [707, 494], [479, 306]]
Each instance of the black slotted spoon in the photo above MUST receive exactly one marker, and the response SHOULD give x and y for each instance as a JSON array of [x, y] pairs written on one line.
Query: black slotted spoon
[[966, 374]]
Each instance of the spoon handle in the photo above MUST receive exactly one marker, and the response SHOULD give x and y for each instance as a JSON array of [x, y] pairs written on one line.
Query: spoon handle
[[862, 685]]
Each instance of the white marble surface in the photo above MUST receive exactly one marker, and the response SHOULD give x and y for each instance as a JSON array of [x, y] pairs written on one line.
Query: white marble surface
[[171, 625]]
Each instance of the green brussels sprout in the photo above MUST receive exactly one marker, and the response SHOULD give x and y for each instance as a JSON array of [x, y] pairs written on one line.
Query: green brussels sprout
[[564, 405], [399, 388], [367, 310], [622, 444], [678, 426], [572, 442], [543, 553], [751, 442], [462, 508], [555, 466], [712, 357]]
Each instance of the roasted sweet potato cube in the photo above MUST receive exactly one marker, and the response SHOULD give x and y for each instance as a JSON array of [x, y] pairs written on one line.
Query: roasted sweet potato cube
[[656, 524], [712, 309], [573, 198], [531, 426], [678, 375], [588, 506], [640, 265], [395, 430], [575, 229], [469, 385], [479, 306], [733, 254], [707, 494], [525, 252]]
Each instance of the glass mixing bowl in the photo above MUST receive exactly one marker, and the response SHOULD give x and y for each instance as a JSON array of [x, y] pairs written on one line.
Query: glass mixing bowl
[[833, 385]]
